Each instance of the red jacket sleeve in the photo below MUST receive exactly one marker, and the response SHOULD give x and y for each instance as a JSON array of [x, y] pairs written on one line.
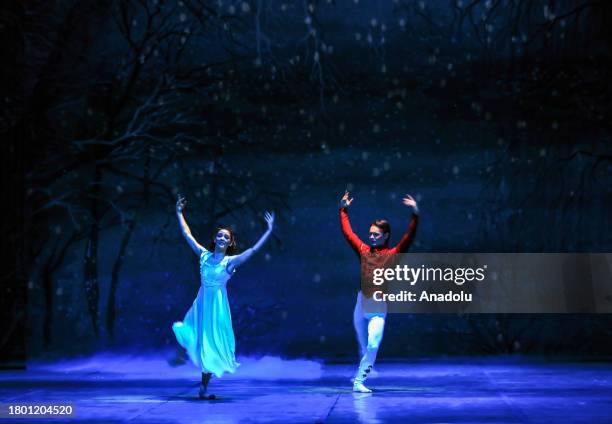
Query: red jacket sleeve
[[350, 236], [408, 236]]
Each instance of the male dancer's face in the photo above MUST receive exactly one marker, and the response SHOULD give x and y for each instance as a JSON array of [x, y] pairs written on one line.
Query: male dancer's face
[[377, 237]]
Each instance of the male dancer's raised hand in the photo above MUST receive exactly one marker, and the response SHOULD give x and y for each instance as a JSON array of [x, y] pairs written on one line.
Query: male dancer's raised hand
[[345, 202], [409, 201]]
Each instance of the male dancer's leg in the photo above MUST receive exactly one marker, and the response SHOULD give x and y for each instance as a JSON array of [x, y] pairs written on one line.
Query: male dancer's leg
[[376, 327], [361, 327]]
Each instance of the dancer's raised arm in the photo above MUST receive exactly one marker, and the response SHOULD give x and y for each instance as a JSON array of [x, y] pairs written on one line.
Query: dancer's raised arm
[[345, 223], [180, 205], [408, 236], [238, 260]]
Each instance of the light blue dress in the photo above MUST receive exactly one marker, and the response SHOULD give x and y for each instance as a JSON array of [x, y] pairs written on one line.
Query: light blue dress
[[206, 331]]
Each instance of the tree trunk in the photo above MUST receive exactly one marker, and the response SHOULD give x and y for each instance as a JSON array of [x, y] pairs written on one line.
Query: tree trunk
[[111, 309], [90, 270], [111, 306]]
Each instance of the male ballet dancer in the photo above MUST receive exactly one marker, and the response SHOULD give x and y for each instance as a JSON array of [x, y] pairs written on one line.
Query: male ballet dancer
[[370, 325]]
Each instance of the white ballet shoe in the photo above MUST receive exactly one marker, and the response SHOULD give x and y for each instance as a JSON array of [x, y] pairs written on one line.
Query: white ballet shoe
[[360, 388]]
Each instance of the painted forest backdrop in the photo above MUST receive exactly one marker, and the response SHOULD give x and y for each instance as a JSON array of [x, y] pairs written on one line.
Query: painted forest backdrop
[[494, 114]]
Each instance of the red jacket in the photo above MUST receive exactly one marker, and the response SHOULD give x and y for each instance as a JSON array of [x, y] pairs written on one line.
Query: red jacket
[[371, 257]]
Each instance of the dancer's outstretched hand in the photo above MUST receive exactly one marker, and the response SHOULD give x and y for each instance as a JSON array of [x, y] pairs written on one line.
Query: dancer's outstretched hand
[[269, 217], [345, 202], [409, 201], [180, 204]]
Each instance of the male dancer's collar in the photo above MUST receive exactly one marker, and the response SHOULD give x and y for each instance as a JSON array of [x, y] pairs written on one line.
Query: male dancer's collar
[[377, 249]]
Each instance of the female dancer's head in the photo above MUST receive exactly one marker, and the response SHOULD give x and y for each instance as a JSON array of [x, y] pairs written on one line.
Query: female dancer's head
[[223, 240], [380, 230]]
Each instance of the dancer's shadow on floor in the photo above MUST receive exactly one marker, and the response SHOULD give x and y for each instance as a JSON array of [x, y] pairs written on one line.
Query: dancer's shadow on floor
[[404, 389], [195, 398], [375, 390]]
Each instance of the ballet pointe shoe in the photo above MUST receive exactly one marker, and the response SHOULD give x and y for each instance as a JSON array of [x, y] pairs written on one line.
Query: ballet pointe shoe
[[203, 394], [362, 374], [358, 387]]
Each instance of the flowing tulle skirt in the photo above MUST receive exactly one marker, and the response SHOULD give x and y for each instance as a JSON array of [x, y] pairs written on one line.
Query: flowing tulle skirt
[[206, 332]]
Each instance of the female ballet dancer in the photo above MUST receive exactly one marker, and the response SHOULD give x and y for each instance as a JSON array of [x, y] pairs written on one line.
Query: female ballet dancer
[[206, 331], [370, 326]]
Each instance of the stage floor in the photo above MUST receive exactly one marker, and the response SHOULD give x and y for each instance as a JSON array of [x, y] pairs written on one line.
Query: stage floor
[[110, 389]]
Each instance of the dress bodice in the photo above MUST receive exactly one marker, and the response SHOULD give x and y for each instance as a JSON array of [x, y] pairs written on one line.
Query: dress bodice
[[213, 273]]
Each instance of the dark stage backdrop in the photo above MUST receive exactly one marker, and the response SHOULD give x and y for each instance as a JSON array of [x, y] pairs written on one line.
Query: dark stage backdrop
[[494, 115]]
